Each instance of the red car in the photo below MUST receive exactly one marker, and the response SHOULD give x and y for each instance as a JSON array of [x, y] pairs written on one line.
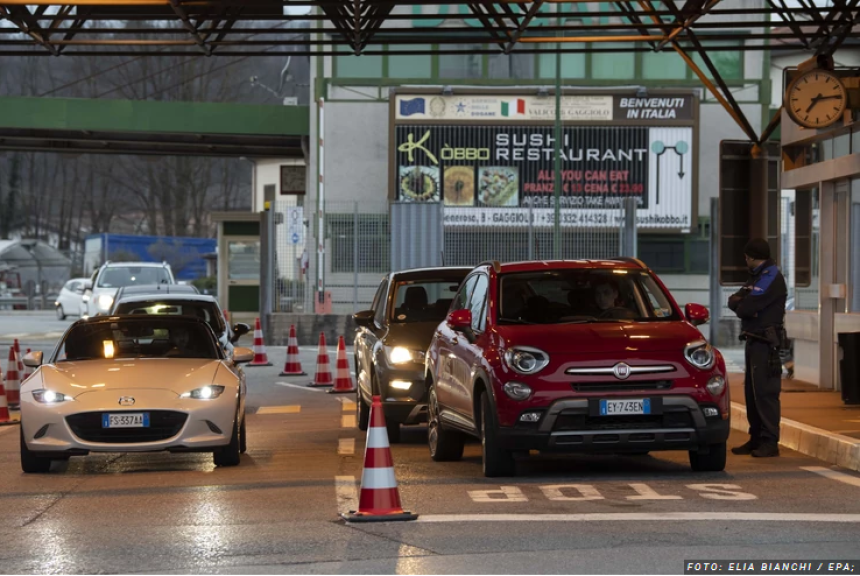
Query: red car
[[574, 356]]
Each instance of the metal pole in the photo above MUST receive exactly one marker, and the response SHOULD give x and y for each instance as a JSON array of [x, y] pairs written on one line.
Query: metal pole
[[531, 232], [355, 257], [716, 299], [557, 168], [628, 232]]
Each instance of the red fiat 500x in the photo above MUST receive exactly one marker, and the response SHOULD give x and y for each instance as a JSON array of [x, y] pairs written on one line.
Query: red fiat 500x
[[574, 356]]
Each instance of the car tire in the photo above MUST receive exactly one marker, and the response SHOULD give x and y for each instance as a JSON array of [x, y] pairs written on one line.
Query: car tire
[[713, 461], [445, 445], [393, 429], [61, 314], [243, 438], [30, 463], [496, 460], [362, 411], [229, 455]]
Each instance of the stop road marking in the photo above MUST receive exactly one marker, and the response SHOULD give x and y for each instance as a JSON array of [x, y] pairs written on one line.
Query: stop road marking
[[586, 492]]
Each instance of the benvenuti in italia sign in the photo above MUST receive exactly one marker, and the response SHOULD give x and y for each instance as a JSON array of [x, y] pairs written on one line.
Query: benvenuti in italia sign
[[490, 157]]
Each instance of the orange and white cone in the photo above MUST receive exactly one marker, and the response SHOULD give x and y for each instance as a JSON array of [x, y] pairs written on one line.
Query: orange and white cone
[[379, 499], [323, 375], [4, 406], [13, 380], [343, 383], [261, 358], [293, 366]]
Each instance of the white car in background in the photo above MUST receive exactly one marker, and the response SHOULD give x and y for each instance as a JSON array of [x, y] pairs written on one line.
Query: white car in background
[[134, 384], [112, 276], [70, 299]]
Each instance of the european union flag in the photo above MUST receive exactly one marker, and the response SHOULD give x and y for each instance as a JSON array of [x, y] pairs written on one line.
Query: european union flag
[[410, 107]]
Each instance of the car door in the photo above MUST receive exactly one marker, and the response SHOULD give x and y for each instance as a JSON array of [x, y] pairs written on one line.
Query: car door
[[367, 338], [447, 365], [467, 348], [66, 298]]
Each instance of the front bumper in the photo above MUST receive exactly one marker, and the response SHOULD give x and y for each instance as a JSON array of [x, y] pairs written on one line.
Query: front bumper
[[176, 424], [403, 406], [573, 426]]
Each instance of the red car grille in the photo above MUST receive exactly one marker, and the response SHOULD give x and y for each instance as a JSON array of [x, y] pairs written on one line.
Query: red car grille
[[619, 386], [650, 421]]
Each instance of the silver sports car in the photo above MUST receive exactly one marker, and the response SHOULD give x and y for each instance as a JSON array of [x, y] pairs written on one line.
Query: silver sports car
[[134, 384]]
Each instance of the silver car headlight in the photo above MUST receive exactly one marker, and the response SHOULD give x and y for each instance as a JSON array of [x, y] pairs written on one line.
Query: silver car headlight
[[526, 360], [716, 385], [105, 302], [700, 354], [204, 393], [517, 390], [402, 355], [44, 396]]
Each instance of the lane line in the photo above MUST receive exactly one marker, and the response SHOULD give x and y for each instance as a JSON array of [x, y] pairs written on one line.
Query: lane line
[[346, 492], [833, 475], [292, 409], [349, 406], [346, 446], [19, 336], [347, 421], [646, 517], [298, 387]]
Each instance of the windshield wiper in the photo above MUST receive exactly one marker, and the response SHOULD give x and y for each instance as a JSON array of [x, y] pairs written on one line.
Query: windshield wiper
[[516, 321], [595, 321]]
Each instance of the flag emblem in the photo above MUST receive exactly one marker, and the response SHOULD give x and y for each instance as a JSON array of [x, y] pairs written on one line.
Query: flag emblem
[[410, 107], [514, 107]]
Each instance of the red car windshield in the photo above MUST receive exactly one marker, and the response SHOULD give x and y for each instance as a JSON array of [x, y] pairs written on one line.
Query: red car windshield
[[582, 295]]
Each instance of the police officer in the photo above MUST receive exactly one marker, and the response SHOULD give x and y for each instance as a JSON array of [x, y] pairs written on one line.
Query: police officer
[[760, 304]]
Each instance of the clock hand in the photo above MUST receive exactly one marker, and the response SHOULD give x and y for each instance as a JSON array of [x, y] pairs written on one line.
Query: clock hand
[[815, 100], [837, 96]]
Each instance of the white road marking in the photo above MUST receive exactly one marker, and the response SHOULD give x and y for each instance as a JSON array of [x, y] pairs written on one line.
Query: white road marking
[[645, 492], [586, 492], [346, 446], [722, 492], [298, 386], [346, 492], [506, 494], [347, 421], [19, 336], [833, 475], [54, 334], [646, 517]]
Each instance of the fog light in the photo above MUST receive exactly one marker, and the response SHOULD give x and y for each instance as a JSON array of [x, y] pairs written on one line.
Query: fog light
[[517, 390], [711, 412], [401, 384], [716, 385], [530, 417]]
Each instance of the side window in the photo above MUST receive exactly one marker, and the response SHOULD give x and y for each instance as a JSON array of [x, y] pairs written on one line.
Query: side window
[[70, 286], [461, 300], [477, 303], [381, 301], [379, 292]]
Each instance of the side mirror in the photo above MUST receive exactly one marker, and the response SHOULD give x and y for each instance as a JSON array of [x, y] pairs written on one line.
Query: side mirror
[[80, 290], [239, 330], [364, 318], [460, 320], [242, 355], [32, 359], [696, 314]]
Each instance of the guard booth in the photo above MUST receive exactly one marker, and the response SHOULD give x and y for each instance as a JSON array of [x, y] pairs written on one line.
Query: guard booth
[[239, 261]]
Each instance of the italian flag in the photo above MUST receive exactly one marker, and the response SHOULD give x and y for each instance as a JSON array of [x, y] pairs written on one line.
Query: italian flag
[[514, 107]]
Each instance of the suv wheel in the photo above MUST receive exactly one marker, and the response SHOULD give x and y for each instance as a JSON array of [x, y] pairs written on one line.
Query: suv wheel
[[496, 460], [713, 461], [445, 445]]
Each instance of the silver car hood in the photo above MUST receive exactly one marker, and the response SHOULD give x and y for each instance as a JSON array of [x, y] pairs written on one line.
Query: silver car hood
[[176, 374]]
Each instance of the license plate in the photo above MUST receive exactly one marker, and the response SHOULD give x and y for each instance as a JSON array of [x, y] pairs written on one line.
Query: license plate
[[126, 420], [623, 407]]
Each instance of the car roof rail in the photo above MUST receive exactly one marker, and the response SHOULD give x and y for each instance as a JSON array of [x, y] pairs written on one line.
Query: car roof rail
[[497, 267], [630, 260]]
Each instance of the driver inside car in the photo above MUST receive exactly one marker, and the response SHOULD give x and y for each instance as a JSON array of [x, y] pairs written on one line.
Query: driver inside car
[[180, 339], [608, 301]]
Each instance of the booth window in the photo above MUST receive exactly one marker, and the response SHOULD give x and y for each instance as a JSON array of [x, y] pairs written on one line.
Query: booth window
[[243, 260]]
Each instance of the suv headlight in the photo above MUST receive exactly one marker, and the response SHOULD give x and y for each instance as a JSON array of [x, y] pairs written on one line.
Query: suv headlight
[[105, 302], [204, 393], [526, 360], [402, 355], [49, 396], [700, 354]]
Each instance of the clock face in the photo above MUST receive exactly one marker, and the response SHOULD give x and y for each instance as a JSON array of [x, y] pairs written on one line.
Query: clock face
[[816, 99]]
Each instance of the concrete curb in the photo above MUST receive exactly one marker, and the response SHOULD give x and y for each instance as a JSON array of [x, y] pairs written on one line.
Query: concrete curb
[[827, 446]]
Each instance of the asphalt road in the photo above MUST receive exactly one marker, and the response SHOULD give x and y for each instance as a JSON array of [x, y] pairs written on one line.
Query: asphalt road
[[278, 511]]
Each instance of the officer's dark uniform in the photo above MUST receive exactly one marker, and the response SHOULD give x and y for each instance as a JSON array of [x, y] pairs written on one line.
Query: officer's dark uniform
[[760, 304]]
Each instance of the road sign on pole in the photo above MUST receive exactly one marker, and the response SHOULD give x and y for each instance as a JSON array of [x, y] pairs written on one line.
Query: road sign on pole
[[295, 224]]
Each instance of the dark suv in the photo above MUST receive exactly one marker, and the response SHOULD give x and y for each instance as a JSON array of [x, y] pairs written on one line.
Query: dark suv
[[574, 356]]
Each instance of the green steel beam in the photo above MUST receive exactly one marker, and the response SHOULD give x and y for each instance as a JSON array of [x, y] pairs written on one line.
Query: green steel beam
[[153, 117]]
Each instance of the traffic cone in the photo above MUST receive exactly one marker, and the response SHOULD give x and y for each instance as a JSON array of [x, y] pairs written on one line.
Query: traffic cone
[[343, 383], [379, 500], [13, 380], [323, 375], [293, 366], [4, 406], [260, 356]]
